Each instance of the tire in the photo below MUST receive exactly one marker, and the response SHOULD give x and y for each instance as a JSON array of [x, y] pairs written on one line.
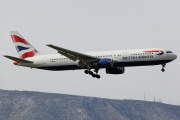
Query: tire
[[163, 70], [90, 72], [98, 76], [86, 71], [93, 75]]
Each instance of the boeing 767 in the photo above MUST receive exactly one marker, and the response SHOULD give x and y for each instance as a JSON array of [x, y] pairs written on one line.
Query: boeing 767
[[113, 61]]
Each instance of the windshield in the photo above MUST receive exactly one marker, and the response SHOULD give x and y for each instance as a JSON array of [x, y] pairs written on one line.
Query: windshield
[[169, 52]]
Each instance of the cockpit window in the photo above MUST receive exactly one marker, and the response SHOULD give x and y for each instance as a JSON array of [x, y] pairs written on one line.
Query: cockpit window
[[169, 52]]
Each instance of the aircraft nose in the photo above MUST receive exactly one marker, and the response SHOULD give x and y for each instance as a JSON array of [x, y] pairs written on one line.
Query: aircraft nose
[[174, 56]]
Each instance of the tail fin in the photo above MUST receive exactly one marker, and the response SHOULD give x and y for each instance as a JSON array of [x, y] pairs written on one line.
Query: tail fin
[[24, 49]]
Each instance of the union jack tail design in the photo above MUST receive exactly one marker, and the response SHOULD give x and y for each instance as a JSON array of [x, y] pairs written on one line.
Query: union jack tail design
[[24, 49]]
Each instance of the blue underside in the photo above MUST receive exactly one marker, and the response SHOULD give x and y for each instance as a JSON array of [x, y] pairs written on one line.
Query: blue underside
[[120, 64]]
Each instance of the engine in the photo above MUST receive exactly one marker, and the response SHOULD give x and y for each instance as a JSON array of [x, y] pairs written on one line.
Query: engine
[[115, 70], [104, 63]]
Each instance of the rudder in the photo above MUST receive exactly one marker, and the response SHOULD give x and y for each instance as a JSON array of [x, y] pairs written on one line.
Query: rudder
[[23, 47]]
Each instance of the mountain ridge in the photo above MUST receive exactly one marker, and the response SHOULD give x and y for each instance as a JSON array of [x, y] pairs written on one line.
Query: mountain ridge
[[20, 105]]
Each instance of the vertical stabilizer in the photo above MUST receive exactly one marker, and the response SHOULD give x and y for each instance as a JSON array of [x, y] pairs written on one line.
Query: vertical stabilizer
[[24, 48]]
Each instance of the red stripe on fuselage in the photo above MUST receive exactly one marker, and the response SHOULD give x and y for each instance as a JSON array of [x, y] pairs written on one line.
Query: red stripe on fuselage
[[153, 51], [28, 54], [19, 39]]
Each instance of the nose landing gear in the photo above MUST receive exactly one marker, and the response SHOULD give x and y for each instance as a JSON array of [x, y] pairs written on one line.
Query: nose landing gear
[[92, 74], [163, 66]]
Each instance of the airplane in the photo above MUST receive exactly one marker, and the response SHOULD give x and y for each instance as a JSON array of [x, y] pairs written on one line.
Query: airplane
[[114, 62]]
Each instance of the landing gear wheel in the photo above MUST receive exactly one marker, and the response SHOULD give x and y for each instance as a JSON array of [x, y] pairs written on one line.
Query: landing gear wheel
[[93, 75], [163, 66], [86, 71], [98, 76]]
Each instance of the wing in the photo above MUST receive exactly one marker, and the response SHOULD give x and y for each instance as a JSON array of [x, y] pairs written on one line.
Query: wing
[[83, 58], [17, 59]]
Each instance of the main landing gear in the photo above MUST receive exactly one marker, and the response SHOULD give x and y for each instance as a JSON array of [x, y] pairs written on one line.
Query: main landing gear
[[163, 66], [91, 73]]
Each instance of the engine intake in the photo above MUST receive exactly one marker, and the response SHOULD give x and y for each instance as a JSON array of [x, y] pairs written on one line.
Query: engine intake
[[115, 70]]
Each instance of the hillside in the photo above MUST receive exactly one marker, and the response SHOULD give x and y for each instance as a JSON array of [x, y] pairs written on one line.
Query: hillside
[[24, 105]]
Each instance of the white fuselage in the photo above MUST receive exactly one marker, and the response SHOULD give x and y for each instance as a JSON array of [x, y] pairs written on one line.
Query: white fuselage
[[122, 58]]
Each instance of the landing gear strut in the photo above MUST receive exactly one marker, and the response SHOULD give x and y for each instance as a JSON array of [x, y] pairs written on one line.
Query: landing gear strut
[[92, 74], [163, 66]]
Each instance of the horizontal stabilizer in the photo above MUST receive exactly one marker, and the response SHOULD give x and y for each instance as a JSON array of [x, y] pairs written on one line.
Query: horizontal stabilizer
[[17, 59]]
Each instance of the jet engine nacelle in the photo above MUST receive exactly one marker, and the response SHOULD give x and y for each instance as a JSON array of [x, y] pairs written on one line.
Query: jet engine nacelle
[[115, 70], [103, 63]]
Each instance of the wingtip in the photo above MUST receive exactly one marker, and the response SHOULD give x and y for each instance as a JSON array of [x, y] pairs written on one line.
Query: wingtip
[[49, 45], [5, 55]]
